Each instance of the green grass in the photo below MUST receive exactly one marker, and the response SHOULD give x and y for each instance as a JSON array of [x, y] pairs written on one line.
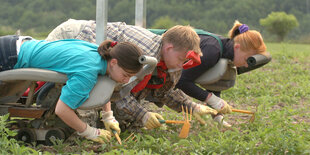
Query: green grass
[[278, 93]]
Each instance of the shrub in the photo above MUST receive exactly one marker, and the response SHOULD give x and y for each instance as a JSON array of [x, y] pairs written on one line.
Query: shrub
[[279, 23]]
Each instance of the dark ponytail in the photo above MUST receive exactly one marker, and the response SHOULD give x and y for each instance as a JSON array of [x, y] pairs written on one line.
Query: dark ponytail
[[126, 54], [104, 49]]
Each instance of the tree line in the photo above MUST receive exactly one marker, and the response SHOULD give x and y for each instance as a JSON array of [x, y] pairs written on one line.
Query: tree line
[[41, 16]]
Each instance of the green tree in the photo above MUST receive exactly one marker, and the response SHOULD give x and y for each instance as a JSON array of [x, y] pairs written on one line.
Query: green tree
[[279, 23], [164, 22]]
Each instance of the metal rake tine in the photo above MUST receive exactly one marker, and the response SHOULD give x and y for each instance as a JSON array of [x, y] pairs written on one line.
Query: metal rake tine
[[252, 118], [190, 114], [183, 113], [186, 113], [136, 139], [128, 137], [133, 137]]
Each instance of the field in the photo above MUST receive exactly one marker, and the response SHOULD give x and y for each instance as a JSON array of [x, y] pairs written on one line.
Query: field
[[279, 93]]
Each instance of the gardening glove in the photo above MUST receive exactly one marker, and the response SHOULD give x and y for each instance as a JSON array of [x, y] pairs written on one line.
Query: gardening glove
[[110, 122], [219, 104], [219, 119], [97, 135], [150, 120], [201, 110]]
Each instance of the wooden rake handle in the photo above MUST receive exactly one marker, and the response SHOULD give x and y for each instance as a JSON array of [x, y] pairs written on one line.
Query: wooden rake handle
[[171, 122], [117, 137], [242, 111]]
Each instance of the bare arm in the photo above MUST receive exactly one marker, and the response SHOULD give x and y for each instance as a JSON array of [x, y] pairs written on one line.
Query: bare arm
[[68, 115], [107, 107]]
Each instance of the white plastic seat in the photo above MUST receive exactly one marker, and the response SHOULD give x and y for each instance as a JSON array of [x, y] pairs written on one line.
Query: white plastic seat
[[220, 77], [33, 74], [213, 74], [97, 97], [18, 80]]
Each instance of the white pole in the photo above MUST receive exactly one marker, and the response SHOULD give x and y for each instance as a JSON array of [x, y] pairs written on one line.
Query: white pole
[[101, 20], [140, 19], [307, 5]]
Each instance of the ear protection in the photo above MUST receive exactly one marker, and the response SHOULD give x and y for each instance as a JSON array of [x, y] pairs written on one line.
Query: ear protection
[[194, 60]]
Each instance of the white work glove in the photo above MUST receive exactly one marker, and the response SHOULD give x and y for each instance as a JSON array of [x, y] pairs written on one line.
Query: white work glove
[[150, 120], [219, 104], [219, 119], [97, 135], [110, 122], [201, 110]]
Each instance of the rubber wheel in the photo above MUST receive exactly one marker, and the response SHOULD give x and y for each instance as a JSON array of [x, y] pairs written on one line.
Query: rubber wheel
[[26, 135], [54, 134], [44, 99], [67, 132]]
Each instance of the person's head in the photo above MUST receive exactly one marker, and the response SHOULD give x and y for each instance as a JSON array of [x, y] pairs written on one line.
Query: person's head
[[246, 43], [176, 42], [123, 59]]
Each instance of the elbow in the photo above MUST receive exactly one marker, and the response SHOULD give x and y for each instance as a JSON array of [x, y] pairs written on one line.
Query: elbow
[[179, 84], [58, 111], [61, 108]]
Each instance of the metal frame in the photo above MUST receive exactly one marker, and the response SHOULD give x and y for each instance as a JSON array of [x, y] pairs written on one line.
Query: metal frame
[[140, 16], [102, 18]]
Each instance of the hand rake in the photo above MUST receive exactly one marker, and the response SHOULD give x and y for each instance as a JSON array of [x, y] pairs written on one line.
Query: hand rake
[[117, 137], [131, 137], [246, 112], [186, 125]]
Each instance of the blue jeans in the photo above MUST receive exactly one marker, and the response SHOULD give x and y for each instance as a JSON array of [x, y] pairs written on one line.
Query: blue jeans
[[8, 54]]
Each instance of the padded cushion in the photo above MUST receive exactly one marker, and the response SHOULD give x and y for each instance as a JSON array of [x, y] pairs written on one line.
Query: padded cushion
[[213, 74], [33, 74], [99, 95]]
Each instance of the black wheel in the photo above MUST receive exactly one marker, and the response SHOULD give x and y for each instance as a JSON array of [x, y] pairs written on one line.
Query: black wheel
[[48, 95], [68, 132], [54, 134], [26, 135]]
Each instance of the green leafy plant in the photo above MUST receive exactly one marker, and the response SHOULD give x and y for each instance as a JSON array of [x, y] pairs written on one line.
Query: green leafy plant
[[8, 145], [59, 145], [279, 23]]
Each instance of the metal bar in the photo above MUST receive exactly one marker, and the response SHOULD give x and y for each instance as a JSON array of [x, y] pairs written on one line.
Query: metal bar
[[183, 113], [26, 112], [140, 18], [29, 100], [186, 114], [101, 20], [190, 114], [132, 134]]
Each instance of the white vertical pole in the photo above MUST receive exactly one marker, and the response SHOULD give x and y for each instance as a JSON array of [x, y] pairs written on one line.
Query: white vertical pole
[[101, 20], [307, 5], [140, 19]]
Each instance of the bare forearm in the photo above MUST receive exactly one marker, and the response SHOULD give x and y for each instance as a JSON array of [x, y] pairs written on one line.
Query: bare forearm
[[68, 115], [107, 107]]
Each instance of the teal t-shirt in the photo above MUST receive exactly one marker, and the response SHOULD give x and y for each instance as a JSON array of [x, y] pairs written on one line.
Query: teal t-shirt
[[78, 59]]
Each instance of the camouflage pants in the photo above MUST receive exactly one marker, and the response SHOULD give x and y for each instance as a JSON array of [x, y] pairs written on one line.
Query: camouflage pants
[[128, 122]]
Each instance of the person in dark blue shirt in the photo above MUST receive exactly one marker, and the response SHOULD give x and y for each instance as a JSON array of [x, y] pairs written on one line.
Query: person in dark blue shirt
[[241, 44]]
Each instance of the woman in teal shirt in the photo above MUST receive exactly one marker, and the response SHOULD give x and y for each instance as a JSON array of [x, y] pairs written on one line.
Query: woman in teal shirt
[[82, 62]]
